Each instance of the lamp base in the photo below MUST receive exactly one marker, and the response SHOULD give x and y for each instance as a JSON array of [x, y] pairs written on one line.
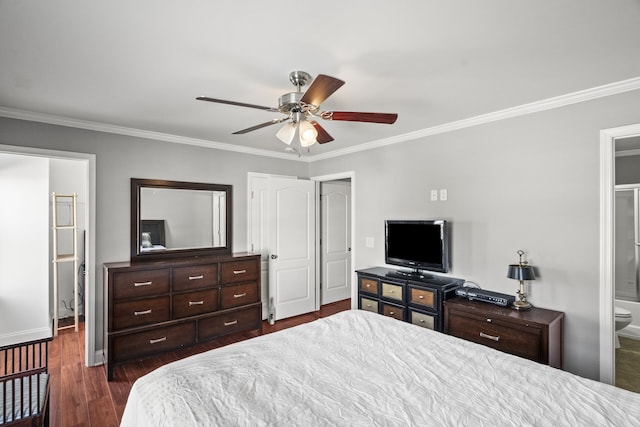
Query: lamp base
[[521, 305]]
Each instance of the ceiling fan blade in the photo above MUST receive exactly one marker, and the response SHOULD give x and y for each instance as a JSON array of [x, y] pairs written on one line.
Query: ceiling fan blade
[[323, 136], [260, 126], [321, 88], [352, 116], [239, 104]]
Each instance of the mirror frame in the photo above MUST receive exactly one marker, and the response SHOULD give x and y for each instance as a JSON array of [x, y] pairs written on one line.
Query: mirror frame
[[136, 186]]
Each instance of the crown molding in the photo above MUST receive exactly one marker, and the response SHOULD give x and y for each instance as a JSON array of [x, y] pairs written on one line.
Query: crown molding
[[521, 110], [533, 107], [138, 133]]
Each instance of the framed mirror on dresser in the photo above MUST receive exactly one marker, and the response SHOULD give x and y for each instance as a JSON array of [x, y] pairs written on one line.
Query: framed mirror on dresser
[[183, 285], [177, 218]]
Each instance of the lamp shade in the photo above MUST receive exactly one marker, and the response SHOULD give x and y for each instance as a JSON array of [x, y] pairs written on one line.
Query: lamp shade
[[520, 272], [286, 133], [308, 134]]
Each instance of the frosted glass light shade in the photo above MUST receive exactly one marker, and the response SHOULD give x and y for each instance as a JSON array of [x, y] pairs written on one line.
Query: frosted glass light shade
[[308, 134], [286, 133]]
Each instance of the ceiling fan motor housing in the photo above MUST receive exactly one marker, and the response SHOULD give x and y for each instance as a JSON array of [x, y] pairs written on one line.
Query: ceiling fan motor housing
[[289, 102]]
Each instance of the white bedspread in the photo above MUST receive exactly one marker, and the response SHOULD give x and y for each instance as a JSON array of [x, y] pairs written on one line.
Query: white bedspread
[[362, 369]]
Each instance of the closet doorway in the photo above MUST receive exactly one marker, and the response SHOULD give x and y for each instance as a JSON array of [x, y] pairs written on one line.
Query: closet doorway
[[339, 272], [69, 172]]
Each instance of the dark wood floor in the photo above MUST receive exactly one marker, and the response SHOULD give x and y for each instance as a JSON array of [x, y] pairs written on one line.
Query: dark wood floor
[[81, 396]]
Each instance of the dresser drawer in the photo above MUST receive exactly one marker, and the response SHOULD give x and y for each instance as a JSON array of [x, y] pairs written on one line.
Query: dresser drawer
[[195, 277], [158, 340], [237, 295], [369, 304], [239, 271], [193, 303], [227, 323], [393, 311], [422, 319], [142, 283], [127, 314], [369, 285], [424, 297], [515, 339], [392, 291]]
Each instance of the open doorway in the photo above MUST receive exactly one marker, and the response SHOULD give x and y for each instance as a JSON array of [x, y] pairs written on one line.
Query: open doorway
[[609, 139], [336, 231], [73, 173]]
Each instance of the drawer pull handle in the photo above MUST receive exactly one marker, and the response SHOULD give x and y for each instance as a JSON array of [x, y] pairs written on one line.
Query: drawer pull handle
[[240, 295], [196, 277], [136, 284], [491, 337], [391, 313], [141, 313], [157, 340], [195, 303], [233, 322], [421, 297], [239, 271]]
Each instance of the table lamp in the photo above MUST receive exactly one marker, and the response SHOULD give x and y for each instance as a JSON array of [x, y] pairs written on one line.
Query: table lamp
[[521, 272]]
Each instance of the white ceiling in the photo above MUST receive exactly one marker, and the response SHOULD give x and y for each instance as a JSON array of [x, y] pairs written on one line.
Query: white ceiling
[[140, 64]]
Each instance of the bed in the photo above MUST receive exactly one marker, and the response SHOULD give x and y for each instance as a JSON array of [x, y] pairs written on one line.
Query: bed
[[357, 368]]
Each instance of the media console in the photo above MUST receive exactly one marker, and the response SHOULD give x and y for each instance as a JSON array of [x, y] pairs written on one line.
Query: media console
[[412, 297]]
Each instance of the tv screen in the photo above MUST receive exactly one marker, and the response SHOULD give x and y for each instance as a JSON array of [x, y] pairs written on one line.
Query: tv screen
[[419, 244]]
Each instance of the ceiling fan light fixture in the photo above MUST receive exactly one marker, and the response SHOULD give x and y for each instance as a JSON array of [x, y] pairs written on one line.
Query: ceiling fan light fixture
[[308, 134], [286, 133]]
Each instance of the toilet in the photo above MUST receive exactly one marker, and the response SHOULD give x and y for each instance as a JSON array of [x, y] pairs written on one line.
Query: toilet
[[623, 319]]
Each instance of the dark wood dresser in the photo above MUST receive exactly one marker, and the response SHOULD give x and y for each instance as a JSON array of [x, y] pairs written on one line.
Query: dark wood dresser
[[153, 307], [534, 334], [414, 298]]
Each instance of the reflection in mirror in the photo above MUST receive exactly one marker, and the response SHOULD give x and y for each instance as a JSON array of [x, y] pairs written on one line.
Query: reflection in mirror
[[179, 218]]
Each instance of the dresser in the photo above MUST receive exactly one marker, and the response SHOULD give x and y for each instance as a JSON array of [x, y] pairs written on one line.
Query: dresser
[[154, 307], [534, 334], [414, 298]]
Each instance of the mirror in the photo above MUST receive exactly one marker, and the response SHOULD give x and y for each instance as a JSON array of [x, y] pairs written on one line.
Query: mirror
[[174, 218]]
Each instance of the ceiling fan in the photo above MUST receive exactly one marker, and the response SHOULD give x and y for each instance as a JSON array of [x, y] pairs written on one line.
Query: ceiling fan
[[302, 109]]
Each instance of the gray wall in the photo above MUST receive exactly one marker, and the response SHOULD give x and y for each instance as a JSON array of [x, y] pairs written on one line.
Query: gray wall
[[119, 158], [530, 183]]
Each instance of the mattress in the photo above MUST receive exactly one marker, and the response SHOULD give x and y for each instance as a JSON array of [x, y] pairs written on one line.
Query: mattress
[[30, 394], [357, 368]]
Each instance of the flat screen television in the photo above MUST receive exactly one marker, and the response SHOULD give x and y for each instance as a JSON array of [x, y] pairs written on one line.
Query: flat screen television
[[418, 244]]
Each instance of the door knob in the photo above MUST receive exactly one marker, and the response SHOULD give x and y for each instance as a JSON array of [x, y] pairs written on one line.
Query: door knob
[[274, 256]]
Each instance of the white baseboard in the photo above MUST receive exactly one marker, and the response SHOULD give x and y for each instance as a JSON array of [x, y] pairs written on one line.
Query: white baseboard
[[25, 336]]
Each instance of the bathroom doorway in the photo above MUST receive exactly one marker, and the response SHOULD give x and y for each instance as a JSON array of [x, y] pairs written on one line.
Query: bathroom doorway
[[627, 263]]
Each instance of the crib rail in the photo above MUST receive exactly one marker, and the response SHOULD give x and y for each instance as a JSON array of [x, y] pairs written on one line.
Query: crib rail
[[24, 383]]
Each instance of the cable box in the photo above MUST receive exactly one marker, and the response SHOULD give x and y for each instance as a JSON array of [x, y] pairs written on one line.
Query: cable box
[[477, 294]]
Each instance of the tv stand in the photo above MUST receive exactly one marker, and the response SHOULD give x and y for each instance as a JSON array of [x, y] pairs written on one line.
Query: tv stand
[[410, 296], [413, 274]]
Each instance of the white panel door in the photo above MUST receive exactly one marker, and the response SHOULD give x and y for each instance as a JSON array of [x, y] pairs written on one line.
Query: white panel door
[[292, 276], [336, 241]]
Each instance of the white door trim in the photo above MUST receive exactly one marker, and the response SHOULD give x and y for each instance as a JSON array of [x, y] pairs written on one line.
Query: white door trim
[[607, 215], [333, 177], [90, 213]]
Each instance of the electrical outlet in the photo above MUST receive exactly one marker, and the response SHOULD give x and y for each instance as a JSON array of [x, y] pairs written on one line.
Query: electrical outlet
[[443, 194], [434, 195], [369, 242]]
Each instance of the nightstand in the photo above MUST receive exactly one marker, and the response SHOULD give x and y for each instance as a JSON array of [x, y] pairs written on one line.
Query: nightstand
[[534, 334]]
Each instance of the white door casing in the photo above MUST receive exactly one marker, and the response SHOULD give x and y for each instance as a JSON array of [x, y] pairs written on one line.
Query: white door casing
[[336, 241]]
